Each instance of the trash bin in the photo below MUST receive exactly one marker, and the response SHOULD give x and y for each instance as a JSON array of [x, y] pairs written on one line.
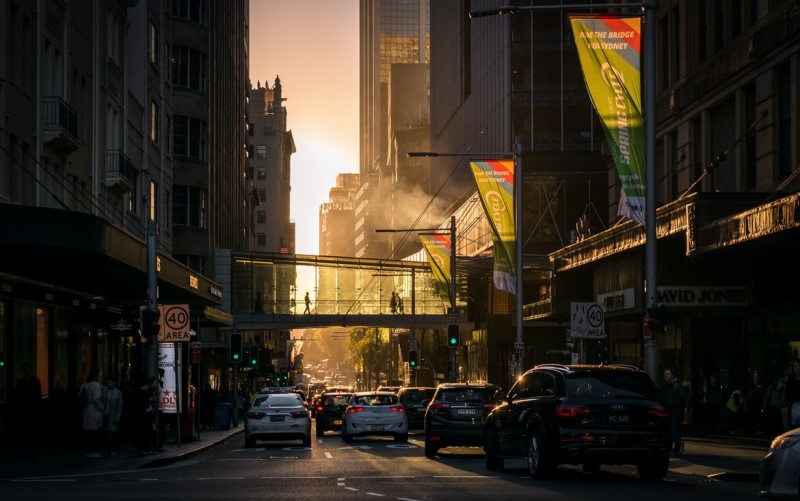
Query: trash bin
[[222, 416]]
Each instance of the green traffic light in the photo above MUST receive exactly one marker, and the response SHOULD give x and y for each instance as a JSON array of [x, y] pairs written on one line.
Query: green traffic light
[[236, 356]]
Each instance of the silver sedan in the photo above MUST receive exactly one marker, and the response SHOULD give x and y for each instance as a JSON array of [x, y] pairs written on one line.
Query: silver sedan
[[780, 468], [375, 413], [277, 416]]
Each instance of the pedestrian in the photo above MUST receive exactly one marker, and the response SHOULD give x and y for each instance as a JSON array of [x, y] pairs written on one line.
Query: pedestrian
[[793, 395], [393, 303], [735, 408], [208, 406], [308, 304], [91, 397], [400, 308], [112, 414], [676, 398], [27, 405], [145, 404]]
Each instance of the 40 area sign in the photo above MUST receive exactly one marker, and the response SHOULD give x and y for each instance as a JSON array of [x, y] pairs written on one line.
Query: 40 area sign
[[174, 322], [587, 321]]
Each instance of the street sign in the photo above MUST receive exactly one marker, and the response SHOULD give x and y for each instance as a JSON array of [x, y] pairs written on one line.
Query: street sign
[[587, 321], [174, 322]]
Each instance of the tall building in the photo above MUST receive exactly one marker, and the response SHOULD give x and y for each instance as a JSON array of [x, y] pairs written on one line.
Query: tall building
[[121, 123], [392, 32], [336, 218]]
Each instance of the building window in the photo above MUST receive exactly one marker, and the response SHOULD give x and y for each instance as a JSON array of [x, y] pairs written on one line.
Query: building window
[[154, 122], [189, 137], [189, 69], [153, 201], [191, 10], [262, 194], [261, 239], [152, 46], [785, 143], [261, 151], [261, 217], [189, 206], [262, 172]]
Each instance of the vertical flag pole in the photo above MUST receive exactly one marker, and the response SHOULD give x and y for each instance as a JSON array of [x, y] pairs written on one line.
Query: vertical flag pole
[[519, 346], [651, 346]]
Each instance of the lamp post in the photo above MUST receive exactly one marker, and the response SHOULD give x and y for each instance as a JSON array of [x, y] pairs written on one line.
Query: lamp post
[[649, 95], [519, 346]]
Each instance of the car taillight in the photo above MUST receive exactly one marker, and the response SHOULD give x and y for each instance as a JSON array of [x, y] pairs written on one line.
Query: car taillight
[[571, 410], [439, 408], [353, 410], [658, 410], [255, 415], [398, 408], [320, 409], [299, 414]]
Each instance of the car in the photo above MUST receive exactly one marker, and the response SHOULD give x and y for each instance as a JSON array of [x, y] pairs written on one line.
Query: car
[[392, 388], [779, 471], [330, 407], [454, 416], [375, 413], [415, 400], [586, 415], [277, 416]]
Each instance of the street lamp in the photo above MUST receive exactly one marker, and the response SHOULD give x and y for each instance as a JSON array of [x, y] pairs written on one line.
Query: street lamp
[[649, 100], [519, 346]]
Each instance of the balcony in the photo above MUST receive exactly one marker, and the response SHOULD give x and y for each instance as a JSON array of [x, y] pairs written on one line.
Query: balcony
[[120, 174], [59, 125]]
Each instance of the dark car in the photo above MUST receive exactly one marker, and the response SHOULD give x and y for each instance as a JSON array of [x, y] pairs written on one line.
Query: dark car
[[581, 415], [415, 400], [330, 407], [454, 416]]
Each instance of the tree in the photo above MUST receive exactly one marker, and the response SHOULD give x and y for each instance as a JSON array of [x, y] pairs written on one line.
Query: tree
[[368, 349]]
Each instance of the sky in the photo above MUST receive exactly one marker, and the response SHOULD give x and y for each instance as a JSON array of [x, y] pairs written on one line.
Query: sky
[[312, 45]]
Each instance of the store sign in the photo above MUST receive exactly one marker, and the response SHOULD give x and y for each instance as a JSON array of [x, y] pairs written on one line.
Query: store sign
[[703, 296], [617, 300]]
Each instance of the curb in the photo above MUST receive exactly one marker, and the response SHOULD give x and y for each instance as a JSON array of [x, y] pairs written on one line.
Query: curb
[[159, 462]]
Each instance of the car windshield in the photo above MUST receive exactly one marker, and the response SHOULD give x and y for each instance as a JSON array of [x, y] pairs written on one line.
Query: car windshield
[[415, 396], [375, 400], [336, 399], [283, 400], [611, 386], [467, 395]]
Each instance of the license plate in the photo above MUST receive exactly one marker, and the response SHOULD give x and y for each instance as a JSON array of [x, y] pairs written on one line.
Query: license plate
[[337, 422], [276, 419], [618, 418], [376, 427], [466, 412]]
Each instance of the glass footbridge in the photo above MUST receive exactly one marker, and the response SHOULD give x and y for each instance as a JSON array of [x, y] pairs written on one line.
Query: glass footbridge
[[287, 291]]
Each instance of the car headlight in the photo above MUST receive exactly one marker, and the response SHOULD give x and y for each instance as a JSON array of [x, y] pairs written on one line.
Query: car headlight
[[783, 442]]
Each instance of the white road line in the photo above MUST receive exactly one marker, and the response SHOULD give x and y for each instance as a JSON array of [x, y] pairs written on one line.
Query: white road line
[[351, 489], [43, 480], [329, 455], [375, 494]]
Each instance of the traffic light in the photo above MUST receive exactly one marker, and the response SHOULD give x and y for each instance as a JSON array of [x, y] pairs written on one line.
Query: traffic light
[[252, 355], [657, 319], [236, 348], [453, 335], [413, 360], [150, 323]]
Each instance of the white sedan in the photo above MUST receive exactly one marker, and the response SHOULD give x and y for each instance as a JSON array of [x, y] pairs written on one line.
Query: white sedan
[[277, 416], [375, 413]]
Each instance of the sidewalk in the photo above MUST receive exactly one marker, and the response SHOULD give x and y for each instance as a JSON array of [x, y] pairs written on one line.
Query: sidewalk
[[719, 457], [62, 456]]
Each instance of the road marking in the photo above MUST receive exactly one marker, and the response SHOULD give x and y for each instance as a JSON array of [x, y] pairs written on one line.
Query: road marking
[[329, 455], [375, 494]]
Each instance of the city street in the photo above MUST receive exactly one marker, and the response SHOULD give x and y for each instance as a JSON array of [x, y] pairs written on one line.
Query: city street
[[366, 469]]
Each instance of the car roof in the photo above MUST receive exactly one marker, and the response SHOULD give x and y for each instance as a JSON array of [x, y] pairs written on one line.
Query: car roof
[[570, 369], [373, 392], [460, 386]]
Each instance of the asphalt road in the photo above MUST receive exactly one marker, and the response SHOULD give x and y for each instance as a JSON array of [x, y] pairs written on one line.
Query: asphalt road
[[365, 469]]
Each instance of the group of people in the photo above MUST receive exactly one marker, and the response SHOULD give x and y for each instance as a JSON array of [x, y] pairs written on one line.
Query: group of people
[[396, 304]]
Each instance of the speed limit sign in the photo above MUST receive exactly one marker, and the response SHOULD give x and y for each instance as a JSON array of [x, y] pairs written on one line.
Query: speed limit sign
[[174, 322], [595, 321]]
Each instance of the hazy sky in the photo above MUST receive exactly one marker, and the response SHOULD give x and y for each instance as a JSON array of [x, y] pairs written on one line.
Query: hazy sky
[[312, 45]]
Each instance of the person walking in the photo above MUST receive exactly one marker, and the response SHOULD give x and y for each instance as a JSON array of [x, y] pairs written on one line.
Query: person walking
[[308, 304], [145, 405], [112, 414], [393, 303], [91, 396], [792, 390], [27, 400], [676, 398]]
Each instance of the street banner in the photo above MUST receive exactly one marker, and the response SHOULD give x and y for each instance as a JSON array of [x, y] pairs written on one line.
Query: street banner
[[437, 248], [495, 180], [168, 389], [609, 48]]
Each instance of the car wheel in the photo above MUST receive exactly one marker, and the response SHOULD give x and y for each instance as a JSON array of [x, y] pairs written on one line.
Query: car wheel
[[430, 449], [306, 441], [490, 446], [591, 467], [249, 442], [541, 464], [402, 437], [653, 469], [320, 430]]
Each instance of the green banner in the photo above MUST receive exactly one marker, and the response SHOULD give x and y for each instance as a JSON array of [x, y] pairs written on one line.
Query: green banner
[[609, 48], [437, 248], [495, 180]]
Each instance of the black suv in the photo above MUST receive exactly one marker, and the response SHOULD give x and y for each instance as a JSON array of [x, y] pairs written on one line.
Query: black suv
[[580, 414], [455, 415], [415, 400], [330, 407]]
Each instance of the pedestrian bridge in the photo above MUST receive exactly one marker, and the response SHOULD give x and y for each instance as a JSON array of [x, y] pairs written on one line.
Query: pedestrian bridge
[[268, 291]]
